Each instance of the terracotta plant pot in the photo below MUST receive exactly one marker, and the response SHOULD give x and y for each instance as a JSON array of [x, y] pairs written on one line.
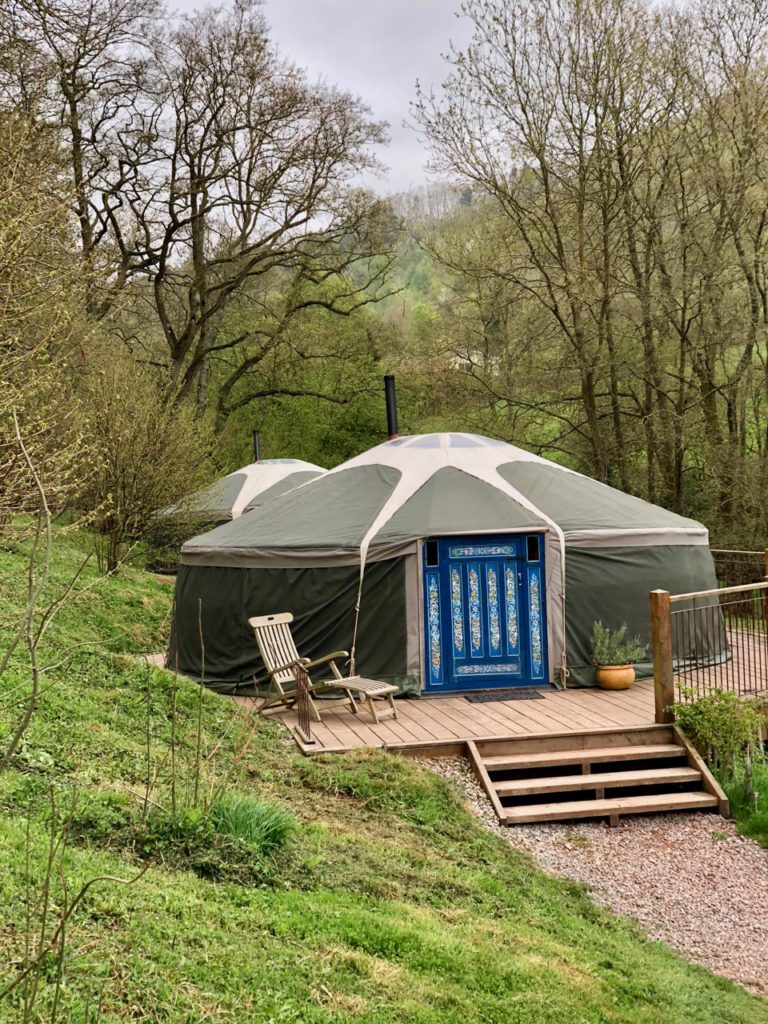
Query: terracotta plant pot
[[615, 677]]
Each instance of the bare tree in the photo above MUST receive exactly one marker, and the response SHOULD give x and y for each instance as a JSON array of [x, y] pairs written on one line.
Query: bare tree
[[527, 117], [202, 160]]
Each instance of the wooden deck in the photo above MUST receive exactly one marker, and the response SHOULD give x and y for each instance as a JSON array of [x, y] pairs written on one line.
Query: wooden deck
[[446, 720]]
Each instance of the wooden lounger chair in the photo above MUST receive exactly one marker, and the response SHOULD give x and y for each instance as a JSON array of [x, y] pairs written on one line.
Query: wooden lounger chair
[[279, 654]]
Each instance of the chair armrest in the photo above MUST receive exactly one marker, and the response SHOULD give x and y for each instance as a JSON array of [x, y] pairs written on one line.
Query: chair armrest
[[326, 658], [289, 664]]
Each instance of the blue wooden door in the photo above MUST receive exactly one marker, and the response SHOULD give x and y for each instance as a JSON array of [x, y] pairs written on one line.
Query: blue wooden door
[[485, 615]]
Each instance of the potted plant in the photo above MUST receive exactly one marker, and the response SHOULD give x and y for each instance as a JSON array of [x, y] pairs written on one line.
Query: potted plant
[[613, 654]]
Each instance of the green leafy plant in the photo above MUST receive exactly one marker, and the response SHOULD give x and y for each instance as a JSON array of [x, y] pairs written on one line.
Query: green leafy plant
[[614, 647], [725, 728]]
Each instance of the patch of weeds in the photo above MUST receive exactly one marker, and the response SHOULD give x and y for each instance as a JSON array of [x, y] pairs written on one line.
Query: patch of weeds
[[579, 841], [749, 802], [196, 840]]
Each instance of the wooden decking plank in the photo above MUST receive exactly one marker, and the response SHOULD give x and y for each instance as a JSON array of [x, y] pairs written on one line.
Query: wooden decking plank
[[333, 730], [362, 733], [536, 715], [419, 722], [609, 711], [491, 719], [444, 726], [582, 755], [464, 722], [401, 726], [602, 808], [597, 780], [405, 713], [554, 715], [455, 718], [594, 714], [610, 704]]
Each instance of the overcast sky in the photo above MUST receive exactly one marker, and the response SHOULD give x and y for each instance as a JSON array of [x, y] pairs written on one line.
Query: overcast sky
[[376, 49]]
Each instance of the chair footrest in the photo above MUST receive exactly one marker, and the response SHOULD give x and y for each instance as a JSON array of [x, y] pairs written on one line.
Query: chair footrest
[[370, 687]]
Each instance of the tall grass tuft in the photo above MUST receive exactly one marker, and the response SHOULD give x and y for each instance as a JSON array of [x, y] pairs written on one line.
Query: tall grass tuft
[[265, 827]]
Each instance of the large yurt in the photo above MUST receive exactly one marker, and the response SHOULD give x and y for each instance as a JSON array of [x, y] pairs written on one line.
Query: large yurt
[[245, 489], [442, 562]]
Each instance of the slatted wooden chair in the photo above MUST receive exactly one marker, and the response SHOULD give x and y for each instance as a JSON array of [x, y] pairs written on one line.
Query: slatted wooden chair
[[280, 656]]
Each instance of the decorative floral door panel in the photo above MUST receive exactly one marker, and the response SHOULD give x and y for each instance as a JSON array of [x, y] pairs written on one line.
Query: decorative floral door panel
[[484, 611]]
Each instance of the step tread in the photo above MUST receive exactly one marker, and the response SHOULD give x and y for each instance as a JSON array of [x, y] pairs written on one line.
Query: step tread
[[596, 780], [600, 808], [639, 752]]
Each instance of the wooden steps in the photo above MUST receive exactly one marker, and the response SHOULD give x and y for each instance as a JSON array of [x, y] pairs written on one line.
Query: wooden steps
[[573, 809], [551, 759], [600, 774], [597, 781]]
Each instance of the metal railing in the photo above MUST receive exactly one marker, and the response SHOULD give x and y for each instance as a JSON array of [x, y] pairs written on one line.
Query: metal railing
[[709, 640], [735, 568]]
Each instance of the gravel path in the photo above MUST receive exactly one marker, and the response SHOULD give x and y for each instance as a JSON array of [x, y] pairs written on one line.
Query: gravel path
[[689, 879]]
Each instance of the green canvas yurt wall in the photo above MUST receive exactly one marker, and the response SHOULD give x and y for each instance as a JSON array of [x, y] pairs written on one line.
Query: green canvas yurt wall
[[358, 535]]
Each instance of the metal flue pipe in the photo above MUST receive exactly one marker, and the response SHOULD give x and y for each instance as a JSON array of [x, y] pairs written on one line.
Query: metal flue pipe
[[256, 447], [391, 400]]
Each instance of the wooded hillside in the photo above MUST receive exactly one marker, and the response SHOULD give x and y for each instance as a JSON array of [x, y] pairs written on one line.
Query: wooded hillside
[[186, 253]]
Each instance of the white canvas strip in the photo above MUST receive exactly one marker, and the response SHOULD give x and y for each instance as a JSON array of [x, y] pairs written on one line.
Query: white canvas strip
[[260, 476], [653, 537], [292, 558]]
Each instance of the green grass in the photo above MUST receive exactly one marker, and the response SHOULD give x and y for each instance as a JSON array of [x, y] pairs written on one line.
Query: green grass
[[263, 827], [751, 811], [385, 902]]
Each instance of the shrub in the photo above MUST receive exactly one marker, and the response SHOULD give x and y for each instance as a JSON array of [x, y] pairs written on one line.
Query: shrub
[[724, 727]]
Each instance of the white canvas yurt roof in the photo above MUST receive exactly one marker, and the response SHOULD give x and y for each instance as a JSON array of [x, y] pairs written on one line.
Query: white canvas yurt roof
[[434, 484], [247, 488]]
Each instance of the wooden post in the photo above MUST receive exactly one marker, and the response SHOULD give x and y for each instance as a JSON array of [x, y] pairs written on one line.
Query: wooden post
[[661, 651], [765, 564]]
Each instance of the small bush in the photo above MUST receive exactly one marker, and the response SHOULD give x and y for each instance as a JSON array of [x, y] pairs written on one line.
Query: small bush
[[724, 727], [264, 827]]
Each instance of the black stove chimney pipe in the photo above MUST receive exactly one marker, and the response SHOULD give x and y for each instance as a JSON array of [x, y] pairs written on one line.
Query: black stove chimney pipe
[[391, 400], [256, 447]]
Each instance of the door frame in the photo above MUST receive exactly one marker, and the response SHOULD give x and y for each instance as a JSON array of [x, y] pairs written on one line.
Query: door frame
[[538, 663]]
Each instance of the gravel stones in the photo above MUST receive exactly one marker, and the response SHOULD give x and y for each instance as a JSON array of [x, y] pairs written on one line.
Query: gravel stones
[[689, 879]]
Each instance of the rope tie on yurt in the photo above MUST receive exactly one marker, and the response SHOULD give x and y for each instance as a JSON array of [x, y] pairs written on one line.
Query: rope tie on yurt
[[564, 671], [353, 647]]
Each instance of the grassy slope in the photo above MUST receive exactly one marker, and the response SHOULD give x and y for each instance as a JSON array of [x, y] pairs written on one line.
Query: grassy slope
[[751, 811], [391, 904]]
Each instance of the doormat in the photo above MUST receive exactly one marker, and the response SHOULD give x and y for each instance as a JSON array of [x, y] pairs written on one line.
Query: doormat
[[519, 693]]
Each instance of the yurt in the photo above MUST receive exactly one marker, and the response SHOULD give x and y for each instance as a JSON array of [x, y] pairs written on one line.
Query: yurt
[[245, 489], [442, 562]]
